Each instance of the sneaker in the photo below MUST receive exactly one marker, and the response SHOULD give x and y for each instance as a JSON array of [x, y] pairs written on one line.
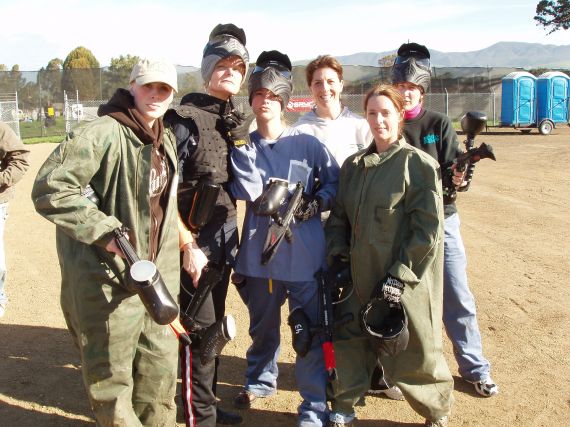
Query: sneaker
[[244, 399], [442, 422], [393, 393], [337, 424], [227, 418], [486, 387]]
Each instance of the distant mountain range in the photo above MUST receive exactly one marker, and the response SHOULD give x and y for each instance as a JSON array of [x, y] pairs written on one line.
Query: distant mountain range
[[502, 54]]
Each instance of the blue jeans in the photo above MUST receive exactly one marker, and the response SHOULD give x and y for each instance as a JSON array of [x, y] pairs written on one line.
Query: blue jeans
[[264, 306], [459, 311], [3, 216]]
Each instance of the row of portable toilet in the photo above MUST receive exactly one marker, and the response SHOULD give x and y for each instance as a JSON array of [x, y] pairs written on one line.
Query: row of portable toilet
[[528, 101]]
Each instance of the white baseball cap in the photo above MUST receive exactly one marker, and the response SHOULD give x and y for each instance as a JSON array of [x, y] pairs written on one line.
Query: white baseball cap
[[155, 70]]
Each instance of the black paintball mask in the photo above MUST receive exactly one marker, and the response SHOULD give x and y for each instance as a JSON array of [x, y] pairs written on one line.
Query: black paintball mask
[[412, 65], [273, 71], [387, 324], [225, 40]]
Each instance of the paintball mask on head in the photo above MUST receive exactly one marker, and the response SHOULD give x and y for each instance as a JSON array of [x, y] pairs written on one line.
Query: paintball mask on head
[[390, 333], [225, 40], [412, 65], [272, 72]]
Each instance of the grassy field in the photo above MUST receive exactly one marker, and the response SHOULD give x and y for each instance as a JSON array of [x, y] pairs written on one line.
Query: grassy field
[[37, 129]]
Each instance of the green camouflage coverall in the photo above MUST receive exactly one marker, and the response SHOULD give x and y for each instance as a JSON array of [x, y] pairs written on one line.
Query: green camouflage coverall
[[128, 361]]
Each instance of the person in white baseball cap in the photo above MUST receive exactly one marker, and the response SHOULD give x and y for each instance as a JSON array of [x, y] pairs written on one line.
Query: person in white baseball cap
[[153, 71], [119, 170]]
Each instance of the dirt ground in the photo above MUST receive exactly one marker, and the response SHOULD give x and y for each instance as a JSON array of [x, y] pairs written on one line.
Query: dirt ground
[[516, 229]]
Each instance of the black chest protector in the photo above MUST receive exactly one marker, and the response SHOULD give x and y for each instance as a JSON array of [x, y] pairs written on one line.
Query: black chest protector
[[203, 149], [204, 153]]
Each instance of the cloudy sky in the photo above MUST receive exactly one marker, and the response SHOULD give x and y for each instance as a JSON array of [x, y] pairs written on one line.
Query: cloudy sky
[[35, 31]]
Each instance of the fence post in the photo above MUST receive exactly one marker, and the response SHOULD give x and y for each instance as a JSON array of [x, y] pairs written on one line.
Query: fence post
[[494, 111], [446, 102]]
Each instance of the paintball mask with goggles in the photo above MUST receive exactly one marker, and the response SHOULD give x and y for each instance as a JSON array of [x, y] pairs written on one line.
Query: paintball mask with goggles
[[412, 65], [389, 329], [225, 40], [273, 71]]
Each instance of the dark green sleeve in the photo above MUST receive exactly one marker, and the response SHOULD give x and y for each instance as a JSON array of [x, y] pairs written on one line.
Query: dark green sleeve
[[60, 181]]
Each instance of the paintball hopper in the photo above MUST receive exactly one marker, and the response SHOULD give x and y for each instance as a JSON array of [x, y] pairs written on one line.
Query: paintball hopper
[[203, 204], [214, 338], [472, 123], [390, 332], [272, 198], [148, 282]]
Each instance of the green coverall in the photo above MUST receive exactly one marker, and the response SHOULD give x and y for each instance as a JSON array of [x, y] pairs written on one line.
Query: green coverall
[[388, 218], [128, 361]]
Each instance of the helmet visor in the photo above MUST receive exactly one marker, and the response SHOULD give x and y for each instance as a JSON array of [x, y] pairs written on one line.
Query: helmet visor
[[282, 70], [420, 60], [224, 45]]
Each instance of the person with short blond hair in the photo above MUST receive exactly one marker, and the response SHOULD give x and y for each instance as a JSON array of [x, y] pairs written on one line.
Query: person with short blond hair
[[118, 170]]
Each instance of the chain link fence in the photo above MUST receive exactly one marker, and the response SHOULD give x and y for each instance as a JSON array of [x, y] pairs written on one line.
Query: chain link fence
[[453, 90], [455, 105], [9, 112]]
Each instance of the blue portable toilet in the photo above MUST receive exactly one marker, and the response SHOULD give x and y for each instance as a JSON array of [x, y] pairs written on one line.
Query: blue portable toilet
[[552, 93], [518, 101]]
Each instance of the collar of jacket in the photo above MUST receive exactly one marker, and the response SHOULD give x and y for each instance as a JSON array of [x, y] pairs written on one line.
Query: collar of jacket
[[371, 158], [208, 103]]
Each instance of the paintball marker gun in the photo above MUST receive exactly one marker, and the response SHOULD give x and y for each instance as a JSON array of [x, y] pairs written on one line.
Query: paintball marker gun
[[149, 284], [472, 123], [269, 204], [211, 339], [150, 287], [303, 332]]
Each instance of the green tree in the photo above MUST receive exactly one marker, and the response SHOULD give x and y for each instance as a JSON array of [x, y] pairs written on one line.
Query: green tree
[[81, 72], [553, 15], [118, 74], [49, 80], [124, 63], [5, 82], [11, 81], [54, 64]]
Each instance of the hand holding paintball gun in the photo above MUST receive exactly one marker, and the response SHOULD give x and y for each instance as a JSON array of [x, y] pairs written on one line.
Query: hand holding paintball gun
[[269, 204], [303, 332], [212, 339], [472, 124]]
